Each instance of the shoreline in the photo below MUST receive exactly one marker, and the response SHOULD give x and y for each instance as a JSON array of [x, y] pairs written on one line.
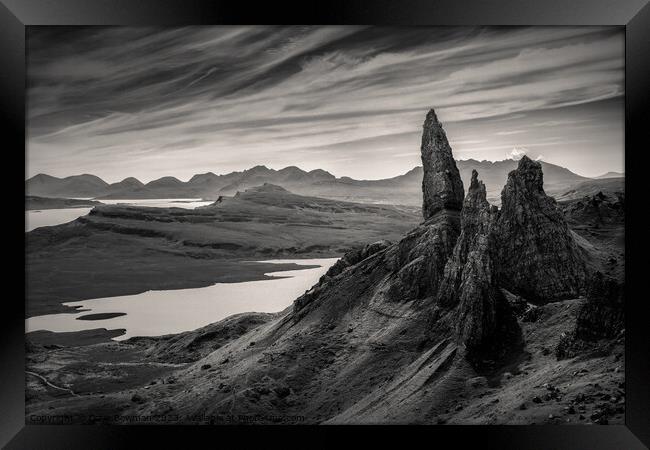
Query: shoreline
[[224, 271], [99, 313]]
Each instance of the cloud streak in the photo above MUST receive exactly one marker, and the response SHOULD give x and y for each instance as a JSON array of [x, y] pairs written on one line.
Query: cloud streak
[[149, 102]]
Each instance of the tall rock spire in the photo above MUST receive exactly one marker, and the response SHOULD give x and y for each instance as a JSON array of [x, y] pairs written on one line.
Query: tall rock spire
[[538, 254], [442, 187]]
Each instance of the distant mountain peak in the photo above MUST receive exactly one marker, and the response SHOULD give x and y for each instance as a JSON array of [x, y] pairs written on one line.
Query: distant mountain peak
[[42, 177], [164, 181], [203, 177], [611, 174], [291, 169], [258, 169], [129, 181]]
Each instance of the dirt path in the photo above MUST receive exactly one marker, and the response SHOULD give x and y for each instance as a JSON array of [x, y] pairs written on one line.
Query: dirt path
[[44, 380]]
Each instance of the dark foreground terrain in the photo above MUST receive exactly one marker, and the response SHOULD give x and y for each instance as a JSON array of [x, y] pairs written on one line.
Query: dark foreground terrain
[[477, 315], [207, 375]]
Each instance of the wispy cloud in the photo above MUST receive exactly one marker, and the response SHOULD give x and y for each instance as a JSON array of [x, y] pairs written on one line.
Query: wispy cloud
[[149, 102], [509, 133]]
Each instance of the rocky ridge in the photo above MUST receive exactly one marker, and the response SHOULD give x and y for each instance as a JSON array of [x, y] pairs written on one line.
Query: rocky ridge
[[408, 332]]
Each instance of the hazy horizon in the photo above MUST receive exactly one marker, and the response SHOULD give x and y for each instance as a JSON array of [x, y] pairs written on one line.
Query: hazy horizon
[[277, 169], [121, 102]]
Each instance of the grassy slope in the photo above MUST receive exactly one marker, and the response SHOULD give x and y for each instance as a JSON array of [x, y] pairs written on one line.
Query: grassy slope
[[36, 203], [120, 250]]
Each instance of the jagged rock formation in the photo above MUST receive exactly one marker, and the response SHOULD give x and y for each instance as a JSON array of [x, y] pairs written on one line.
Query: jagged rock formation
[[597, 210], [461, 264], [442, 187], [477, 221], [538, 256], [486, 324], [600, 319], [416, 263]]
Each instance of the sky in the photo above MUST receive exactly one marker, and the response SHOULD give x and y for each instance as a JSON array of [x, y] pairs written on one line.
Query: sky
[[151, 102]]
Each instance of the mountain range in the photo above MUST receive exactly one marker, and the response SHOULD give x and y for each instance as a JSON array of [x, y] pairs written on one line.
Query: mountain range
[[403, 189]]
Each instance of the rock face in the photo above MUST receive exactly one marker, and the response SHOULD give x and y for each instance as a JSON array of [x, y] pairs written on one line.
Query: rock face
[[538, 256], [351, 258], [596, 210], [442, 187], [603, 315], [477, 221], [486, 323], [459, 262], [600, 319], [416, 263], [355, 256]]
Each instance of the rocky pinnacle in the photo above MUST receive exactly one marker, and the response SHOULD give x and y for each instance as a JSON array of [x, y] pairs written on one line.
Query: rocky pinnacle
[[486, 325], [538, 254], [442, 187]]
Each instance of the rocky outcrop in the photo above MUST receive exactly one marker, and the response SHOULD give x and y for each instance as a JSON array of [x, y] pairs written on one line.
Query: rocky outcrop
[[600, 321], [349, 259], [602, 316], [486, 323], [526, 248], [419, 259], [538, 257], [355, 256], [415, 264], [477, 221], [598, 210], [442, 187]]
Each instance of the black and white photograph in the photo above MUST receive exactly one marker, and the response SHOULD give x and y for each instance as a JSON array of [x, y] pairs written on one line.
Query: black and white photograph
[[332, 224]]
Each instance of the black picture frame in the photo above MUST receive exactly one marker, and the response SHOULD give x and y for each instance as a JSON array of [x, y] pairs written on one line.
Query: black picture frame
[[634, 15]]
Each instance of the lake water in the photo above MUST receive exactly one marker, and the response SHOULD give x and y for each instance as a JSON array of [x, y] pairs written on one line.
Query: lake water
[[156, 313], [187, 203], [49, 217]]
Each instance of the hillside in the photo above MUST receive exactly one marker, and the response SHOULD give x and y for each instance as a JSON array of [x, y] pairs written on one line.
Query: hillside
[[140, 248], [592, 187]]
